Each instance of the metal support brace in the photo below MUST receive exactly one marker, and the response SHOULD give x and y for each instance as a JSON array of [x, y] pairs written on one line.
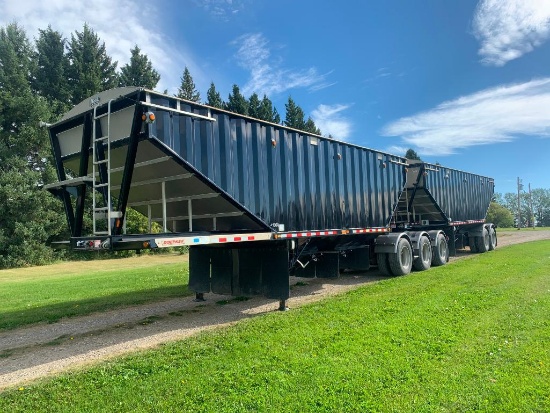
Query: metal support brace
[[164, 224], [190, 214]]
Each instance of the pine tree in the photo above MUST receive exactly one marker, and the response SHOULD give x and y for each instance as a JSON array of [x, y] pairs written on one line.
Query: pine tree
[[213, 97], [50, 79], [91, 70], [311, 127], [268, 112], [254, 106], [27, 215], [236, 102], [294, 115], [188, 90], [412, 155], [139, 72]]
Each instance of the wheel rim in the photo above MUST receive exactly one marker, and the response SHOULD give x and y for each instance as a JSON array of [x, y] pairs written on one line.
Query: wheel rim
[[443, 249], [405, 257], [426, 249]]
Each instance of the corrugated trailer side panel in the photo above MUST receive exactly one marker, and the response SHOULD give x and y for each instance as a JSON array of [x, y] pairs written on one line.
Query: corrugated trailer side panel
[[461, 195], [281, 175]]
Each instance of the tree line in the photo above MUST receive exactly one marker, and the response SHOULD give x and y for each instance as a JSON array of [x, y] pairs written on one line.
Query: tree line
[[39, 81], [534, 209]]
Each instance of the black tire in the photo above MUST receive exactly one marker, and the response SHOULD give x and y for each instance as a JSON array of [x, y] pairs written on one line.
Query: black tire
[[424, 259], [492, 239], [383, 265], [440, 253], [473, 244], [483, 242], [401, 261]]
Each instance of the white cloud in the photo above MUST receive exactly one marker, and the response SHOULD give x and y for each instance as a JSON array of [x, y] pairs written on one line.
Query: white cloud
[[494, 115], [222, 9], [396, 149], [120, 24], [330, 120], [507, 29], [266, 75]]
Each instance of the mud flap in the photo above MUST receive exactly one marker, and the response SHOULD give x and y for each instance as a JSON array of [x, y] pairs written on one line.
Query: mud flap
[[244, 270]]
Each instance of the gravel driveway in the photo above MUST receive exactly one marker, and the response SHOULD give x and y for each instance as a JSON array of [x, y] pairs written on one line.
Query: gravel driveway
[[41, 350]]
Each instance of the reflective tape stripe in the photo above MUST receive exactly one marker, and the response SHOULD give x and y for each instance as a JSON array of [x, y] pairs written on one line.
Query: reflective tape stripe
[[309, 234]]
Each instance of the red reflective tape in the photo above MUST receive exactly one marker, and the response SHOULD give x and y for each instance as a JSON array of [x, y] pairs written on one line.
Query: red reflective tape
[[222, 239], [236, 238], [250, 238]]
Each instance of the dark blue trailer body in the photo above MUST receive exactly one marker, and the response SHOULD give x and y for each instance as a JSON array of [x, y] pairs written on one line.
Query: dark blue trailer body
[[285, 176]]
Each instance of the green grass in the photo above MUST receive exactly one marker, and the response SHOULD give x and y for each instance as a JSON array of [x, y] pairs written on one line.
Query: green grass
[[473, 336], [523, 229], [46, 294]]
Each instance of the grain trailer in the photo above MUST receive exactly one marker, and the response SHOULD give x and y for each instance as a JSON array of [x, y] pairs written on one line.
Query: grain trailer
[[254, 201]]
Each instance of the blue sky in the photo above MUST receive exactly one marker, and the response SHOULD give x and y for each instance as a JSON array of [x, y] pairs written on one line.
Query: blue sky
[[465, 82]]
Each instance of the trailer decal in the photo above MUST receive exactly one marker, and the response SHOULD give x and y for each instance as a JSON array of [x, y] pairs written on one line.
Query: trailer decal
[[203, 240]]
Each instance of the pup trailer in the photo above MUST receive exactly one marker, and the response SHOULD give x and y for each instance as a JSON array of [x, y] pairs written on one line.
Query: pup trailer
[[254, 201]]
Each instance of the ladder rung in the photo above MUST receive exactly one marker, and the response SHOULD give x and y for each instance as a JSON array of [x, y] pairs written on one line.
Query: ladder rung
[[100, 185], [101, 233], [102, 138], [98, 209], [102, 116], [101, 161]]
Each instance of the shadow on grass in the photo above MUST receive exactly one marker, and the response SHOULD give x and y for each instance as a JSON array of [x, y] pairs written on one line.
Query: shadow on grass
[[54, 312]]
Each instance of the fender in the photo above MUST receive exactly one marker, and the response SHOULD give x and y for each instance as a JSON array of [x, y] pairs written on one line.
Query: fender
[[434, 236], [388, 243], [415, 237], [477, 231]]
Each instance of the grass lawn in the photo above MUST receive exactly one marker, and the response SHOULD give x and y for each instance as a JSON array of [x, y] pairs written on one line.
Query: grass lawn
[[473, 336], [37, 294]]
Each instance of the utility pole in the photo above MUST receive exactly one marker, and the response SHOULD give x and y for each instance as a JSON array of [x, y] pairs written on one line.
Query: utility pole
[[520, 187], [531, 207]]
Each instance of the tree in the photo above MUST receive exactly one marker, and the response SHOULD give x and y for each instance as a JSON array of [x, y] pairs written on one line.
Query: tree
[[500, 216], [541, 206], [254, 106], [91, 70], [311, 127], [188, 90], [213, 97], [294, 115], [50, 79], [267, 111], [139, 72], [236, 102], [29, 216], [511, 203], [412, 155]]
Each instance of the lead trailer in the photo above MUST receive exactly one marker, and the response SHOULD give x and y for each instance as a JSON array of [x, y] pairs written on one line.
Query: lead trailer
[[255, 201]]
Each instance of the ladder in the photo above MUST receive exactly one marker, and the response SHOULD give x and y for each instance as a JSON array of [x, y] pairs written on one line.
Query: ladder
[[102, 185]]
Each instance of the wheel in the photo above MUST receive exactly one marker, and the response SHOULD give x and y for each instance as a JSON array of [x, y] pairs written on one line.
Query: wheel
[[440, 253], [401, 261], [492, 239], [483, 242], [383, 266], [424, 259], [473, 244]]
